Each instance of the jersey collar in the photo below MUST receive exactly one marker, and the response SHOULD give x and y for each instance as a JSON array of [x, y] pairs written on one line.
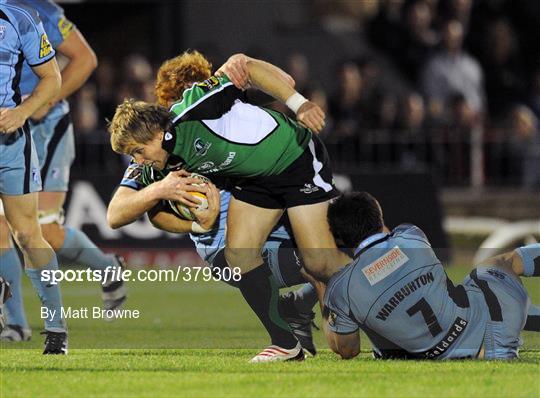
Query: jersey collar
[[370, 240]]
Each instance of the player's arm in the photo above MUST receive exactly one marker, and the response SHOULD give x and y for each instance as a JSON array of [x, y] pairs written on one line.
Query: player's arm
[[521, 261], [129, 202], [169, 222], [47, 88], [236, 69], [265, 77], [81, 64], [345, 345]]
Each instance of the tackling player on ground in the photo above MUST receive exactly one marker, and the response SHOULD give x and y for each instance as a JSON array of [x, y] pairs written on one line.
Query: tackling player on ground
[[396, 290]]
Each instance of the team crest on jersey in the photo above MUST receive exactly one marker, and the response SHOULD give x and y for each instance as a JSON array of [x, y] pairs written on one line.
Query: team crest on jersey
[[2, 31], [65, 27], [45, 47], [201, 147], [209, 84], [206, 166]]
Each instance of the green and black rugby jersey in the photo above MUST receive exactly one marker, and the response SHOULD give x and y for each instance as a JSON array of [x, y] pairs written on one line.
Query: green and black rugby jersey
[[214, 132]]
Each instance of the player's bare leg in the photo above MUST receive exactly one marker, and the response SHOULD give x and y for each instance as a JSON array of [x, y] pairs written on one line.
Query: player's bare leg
[[315, 241], [21, 214], [248, 227]]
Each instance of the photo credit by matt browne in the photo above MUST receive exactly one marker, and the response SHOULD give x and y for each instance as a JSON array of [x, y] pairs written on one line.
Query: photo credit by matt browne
[[90, 313]]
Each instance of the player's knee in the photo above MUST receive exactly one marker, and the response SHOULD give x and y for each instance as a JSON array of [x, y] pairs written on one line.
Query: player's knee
[[54, 234], [316, 266], [244, 258]]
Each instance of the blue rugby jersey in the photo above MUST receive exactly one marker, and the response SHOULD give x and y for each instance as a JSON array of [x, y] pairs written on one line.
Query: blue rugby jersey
[[22, 38], [397, 291], [57, 27]]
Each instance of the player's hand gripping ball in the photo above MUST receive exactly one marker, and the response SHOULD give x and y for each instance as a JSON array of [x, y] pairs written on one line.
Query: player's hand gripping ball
[[183, 211]]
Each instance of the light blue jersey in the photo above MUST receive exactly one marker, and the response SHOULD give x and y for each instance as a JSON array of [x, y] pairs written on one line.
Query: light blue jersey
[[22, 39], [397, 291], [53, 135], [57, 28]]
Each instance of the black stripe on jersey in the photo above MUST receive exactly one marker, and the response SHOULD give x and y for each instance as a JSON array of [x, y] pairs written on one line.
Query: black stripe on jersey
[[59, 131], [494, 307], [214, 105], [27, 157], [41, 63], [458, 294], [17, 79], [5, 17]]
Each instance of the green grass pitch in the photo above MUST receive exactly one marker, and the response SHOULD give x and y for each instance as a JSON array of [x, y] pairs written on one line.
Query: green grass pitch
[[195, 339]]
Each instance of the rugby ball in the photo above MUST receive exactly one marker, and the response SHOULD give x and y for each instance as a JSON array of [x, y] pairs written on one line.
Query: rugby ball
[[183, 211]]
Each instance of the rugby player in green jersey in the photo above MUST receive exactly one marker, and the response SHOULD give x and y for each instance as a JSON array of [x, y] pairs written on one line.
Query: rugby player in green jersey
[[276, 164]]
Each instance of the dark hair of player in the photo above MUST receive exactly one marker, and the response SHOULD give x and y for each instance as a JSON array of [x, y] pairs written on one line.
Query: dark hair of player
[[353, 217]]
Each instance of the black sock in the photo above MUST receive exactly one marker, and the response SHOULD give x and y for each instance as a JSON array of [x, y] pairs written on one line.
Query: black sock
[[261, 292]]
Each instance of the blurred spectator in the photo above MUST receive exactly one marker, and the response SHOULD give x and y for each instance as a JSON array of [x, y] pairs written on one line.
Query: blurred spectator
[[371, 74], [525, 145], [386, 27], [503, 68], [344, 16], [454, 140], [317, 95], [452, 71], [414, 149], [418, 39], [345, 105], [385, 112], [85, 114], [459, 10], [298, 68], [137, 72], [106, 88]]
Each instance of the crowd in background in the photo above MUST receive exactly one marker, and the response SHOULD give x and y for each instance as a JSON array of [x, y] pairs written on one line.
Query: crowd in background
[[466, 83]]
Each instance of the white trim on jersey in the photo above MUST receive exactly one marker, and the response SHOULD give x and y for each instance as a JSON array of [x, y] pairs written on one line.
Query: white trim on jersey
[[317, 166], [198, 101], [243, 124]]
